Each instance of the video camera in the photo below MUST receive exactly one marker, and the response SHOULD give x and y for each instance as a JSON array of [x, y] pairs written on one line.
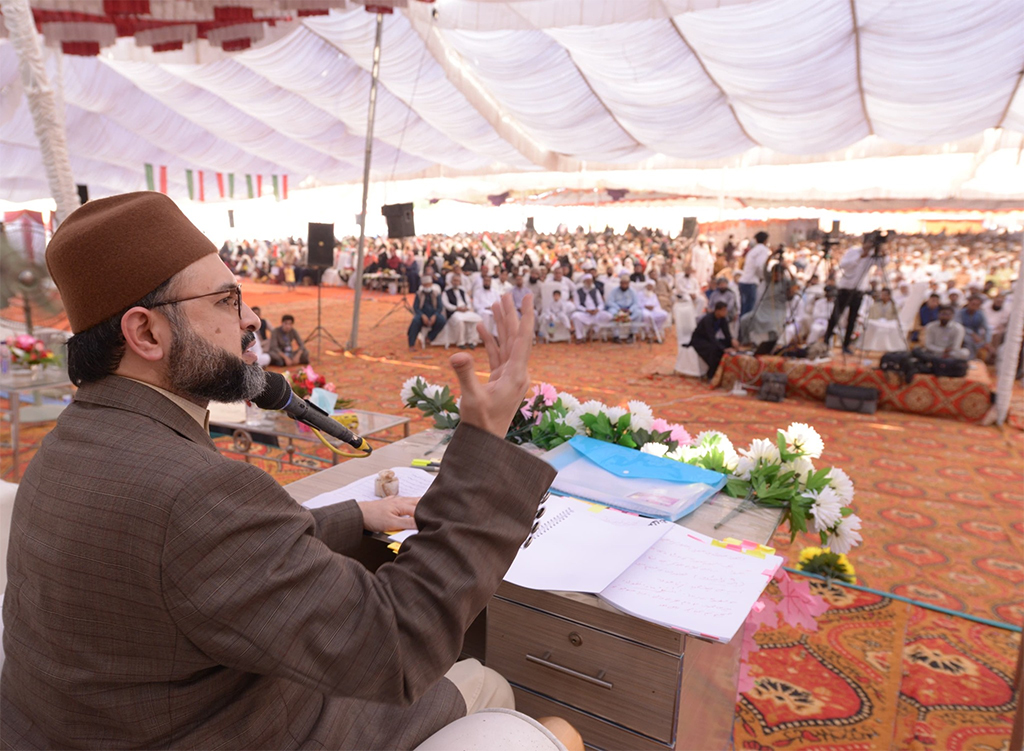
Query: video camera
[[874, 241]]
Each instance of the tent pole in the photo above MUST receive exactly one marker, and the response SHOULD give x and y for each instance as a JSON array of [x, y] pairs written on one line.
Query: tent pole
[[353, 340], [47, 121], [1011, 347]]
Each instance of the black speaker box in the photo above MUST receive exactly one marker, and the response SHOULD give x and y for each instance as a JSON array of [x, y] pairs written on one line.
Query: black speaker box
[[399, 216], [83, 194], [321, 245], [529, 224], [689, 226]]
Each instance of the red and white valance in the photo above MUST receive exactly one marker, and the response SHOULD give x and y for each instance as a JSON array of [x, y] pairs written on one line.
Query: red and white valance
[[79, 37]]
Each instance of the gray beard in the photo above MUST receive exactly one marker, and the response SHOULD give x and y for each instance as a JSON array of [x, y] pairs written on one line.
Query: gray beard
[[203, 372]]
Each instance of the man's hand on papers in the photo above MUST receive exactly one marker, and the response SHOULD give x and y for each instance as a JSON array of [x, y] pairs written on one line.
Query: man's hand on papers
[[389, 514], [491, 406]]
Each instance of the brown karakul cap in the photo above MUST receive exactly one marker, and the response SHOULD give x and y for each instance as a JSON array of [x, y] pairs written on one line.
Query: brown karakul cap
[[114, 251]]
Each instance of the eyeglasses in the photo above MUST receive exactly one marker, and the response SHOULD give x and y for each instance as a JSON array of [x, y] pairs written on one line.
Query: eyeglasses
[[235, 291]]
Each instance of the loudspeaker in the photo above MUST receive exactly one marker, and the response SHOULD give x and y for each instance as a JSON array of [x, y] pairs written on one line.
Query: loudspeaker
[[399, 216], [231, 218], [529, 224], [320, 242], [83, 194], [689, 226]]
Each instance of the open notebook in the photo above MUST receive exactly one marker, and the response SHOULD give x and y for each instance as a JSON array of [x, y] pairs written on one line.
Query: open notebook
[[655, 570]]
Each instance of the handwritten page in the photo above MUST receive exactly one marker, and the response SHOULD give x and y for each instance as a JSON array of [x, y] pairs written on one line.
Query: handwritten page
[[412, 482], [685, 583], [580, 547]]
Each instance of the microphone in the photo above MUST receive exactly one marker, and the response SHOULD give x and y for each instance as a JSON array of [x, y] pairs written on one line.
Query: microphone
[[277, 394]]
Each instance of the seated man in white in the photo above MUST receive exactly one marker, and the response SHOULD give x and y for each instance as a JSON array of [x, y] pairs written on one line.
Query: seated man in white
[[882, 329], [653, 314], [554, 313], [484, 297], [821, 312], [791, 327], [590, 313], [943, 339], [458, 306]]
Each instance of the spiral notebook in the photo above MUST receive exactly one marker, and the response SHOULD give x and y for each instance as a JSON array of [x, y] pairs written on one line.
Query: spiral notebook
[[653, 569]]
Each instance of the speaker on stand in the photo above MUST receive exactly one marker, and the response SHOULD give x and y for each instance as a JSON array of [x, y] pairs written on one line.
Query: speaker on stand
[[400, 220], [320, 255]]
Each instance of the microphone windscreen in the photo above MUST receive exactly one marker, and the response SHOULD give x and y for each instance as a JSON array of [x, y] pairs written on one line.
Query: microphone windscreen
[[276, 393]]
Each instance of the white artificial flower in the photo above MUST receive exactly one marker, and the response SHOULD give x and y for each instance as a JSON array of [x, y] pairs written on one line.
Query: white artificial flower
[[841, 483], [614, 413], [803, 439], [846, 536], [714, 438], [743, 468], [654, 448], [761, 450], [687, 454], [592, 407], [458, 404], [572, 419], [569, 401], [406, 393], [641, 417], [826, 509], [431, 390], [802, 466]]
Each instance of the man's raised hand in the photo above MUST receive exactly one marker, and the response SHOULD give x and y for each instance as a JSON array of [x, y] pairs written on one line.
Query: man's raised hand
[[491, 406]]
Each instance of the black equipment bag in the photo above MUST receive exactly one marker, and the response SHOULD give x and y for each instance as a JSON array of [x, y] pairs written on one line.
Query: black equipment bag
[[851, 398], [773, 387], [900, 362], [947, 367]]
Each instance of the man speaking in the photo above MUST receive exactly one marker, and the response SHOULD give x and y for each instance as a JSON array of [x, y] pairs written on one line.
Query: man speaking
[[161, 595]]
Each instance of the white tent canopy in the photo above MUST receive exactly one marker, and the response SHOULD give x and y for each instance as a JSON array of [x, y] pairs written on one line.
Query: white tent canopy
[[474, 87]]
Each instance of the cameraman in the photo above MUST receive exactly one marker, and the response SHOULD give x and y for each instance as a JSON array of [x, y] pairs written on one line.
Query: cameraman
[[852, 285]]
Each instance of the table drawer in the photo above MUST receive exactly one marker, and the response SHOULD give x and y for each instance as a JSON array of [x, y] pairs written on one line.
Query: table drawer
[[599, 673]]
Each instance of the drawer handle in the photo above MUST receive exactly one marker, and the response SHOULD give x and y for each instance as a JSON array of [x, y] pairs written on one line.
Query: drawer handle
[[546, 662]]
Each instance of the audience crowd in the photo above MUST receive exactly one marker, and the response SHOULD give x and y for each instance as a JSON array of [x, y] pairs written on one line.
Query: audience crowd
[[945, 295]]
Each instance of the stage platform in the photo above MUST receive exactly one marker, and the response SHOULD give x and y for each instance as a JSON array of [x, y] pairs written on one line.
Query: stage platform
[[966, 399]]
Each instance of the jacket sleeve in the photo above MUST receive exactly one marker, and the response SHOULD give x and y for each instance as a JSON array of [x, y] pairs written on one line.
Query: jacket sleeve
[[248, 577]]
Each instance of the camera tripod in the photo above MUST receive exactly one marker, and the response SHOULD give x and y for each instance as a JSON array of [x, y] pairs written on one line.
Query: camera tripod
[[879, 260], [402, 303], [320, 332]]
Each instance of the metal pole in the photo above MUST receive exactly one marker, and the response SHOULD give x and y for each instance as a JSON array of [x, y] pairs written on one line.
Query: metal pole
[[353, 340], [1011, 347]]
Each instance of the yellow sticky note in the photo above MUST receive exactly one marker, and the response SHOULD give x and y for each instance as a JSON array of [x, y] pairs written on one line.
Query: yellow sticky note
[[393, 547], [719, 544]]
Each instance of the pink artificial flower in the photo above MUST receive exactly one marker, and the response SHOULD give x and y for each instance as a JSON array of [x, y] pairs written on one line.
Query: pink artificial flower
[[798, 606], [545, 390], [680, 435], [24, 341], [331, 387], [310, 373], [658, 425], [38, 347]]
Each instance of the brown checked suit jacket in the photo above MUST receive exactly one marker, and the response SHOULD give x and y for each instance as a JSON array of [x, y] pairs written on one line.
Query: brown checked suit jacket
[[161, 595]]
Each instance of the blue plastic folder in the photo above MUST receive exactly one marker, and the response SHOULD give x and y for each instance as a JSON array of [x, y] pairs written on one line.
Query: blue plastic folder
[[630, 480]]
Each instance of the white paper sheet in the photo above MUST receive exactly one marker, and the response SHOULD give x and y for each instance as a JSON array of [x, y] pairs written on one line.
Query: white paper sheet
[[685, 583], [580, 547], [412, 482]]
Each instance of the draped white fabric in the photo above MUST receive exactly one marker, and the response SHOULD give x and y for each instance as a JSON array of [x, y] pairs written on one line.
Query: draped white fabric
[[474, 87]]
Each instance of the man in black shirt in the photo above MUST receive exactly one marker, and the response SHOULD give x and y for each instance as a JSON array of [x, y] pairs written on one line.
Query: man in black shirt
[[712, 338]]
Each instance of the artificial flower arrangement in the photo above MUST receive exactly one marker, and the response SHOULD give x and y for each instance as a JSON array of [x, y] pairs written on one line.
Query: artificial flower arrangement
[[27, 350], [778, 474], [304, 380]]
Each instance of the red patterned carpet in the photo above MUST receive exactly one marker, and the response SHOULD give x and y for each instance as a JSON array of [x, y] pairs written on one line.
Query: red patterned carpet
[[943, 509]]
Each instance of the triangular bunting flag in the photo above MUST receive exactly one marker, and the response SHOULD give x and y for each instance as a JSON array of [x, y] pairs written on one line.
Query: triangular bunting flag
[[259, 186], [202, 188], [277, 191], [163, 179], [220, 184], [150, 179], [191, 187], [231, 185], [248, 186], [284, 187]]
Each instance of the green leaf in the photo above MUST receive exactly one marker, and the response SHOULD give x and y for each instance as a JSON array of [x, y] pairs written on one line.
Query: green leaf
[[845, 511], [627, 441], [623, 423], [737, 488]]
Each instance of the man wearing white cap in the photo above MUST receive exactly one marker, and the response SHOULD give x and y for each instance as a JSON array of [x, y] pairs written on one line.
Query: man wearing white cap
[[590, 313], [653, 314]]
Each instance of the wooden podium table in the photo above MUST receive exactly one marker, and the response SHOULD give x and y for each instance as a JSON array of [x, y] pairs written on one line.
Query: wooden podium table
[[623, 682]]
